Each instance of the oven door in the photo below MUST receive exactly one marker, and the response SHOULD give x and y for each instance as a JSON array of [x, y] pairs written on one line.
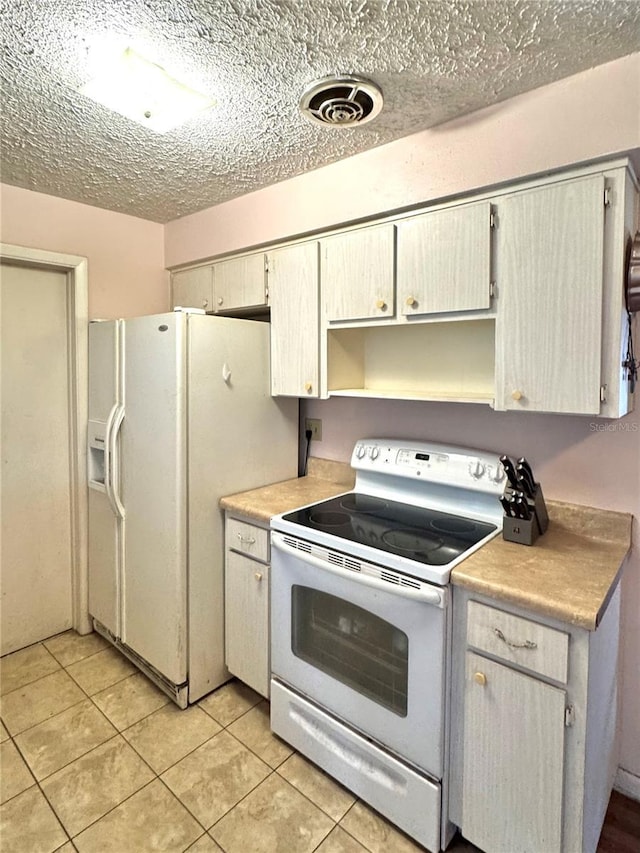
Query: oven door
[[363, 642]]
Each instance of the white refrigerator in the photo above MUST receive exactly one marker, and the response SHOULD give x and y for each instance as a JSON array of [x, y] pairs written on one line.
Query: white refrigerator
[[179, 415]]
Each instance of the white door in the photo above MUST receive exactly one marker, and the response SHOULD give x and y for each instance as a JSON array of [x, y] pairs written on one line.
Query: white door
[[36, 461], [153, 491]]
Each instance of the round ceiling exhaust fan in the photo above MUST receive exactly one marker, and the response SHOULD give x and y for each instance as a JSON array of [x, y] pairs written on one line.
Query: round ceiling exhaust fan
[[341, 101]]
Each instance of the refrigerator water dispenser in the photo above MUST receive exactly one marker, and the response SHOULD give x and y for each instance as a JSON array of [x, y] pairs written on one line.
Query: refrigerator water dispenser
[[96, 443]]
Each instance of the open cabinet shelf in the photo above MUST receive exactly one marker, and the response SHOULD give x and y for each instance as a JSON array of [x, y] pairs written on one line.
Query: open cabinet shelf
[[430, 361]]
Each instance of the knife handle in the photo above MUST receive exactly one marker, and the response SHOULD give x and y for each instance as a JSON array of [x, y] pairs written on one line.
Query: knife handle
[[510, 471], [506, 505], [522, 462], [525, 481]]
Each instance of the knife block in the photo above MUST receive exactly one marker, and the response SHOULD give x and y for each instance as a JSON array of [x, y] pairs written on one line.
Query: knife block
[[525, 531]]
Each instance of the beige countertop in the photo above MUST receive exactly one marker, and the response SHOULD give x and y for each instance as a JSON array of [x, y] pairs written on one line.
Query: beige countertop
[[569, 574], [325, 479]]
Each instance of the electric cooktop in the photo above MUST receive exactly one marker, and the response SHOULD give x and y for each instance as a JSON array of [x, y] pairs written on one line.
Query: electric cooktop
[[416, 533]]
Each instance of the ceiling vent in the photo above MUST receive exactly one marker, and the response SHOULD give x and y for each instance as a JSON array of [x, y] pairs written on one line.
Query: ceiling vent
[[341, 101]]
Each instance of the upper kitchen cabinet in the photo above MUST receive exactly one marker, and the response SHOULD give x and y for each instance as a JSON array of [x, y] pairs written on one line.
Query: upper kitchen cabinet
[[512, 298], [560, 251], [444, 260], [193, 288], [240, 284], [357, 274], [234, 286], [294, 300]]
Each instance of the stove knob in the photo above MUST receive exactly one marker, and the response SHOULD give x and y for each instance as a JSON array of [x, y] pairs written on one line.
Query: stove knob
[[498, 475], [360, 451], [476, 469], [374, 452]]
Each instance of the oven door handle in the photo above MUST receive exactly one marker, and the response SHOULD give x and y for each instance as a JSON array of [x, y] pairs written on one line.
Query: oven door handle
[[426, 594]]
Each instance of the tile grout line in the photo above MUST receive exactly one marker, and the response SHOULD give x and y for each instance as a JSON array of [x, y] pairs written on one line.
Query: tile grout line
[[156, 775]]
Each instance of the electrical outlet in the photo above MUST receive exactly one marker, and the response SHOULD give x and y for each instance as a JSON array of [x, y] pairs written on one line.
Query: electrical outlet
[[315, 425]]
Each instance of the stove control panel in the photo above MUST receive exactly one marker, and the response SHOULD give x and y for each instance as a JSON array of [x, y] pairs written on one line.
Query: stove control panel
[[434, 463]]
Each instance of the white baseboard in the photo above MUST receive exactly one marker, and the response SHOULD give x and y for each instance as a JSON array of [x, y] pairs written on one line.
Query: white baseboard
[[627, 783]]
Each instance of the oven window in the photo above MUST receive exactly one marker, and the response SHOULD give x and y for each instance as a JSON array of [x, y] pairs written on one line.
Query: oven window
[[350, 644]]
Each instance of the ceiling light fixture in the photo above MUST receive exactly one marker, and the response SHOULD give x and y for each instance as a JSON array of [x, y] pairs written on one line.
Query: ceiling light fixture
[[146, 93]]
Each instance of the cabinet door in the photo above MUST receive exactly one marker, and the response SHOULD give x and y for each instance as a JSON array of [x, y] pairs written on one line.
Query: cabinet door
[[193, 288], [357, 274], [240, 283], [444, 260], [294, 300], [550, 277], [513, 760], [247, 621]]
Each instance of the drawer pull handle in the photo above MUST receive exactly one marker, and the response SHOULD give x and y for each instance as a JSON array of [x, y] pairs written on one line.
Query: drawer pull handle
[[246, 540], [480, 678], [258, 576], [528, 644]]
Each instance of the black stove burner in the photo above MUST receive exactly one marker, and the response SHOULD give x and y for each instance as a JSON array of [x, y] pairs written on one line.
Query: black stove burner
[[362, 503], [424, 535], [411, 541], [328, 519], [453, 525]]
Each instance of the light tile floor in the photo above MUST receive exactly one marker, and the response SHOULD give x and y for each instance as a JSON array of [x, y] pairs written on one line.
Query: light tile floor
[[95, 759]]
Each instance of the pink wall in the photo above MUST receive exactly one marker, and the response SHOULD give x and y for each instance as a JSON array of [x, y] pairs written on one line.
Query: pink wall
[[126, 254], [581, 118], [577, 459], [592, 115]]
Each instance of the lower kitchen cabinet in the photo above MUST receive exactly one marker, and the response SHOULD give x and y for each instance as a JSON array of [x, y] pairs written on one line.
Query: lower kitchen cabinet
[[247, 603], [533, 727], [513, 759]]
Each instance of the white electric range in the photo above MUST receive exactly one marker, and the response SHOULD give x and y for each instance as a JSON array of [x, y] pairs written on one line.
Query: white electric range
[[360, 616]]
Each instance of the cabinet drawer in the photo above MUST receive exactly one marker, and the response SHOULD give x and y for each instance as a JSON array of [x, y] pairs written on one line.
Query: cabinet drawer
[[247, 539], [536, 647]]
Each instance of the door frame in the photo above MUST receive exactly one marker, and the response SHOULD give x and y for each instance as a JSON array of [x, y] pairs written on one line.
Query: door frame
[[76, 269]]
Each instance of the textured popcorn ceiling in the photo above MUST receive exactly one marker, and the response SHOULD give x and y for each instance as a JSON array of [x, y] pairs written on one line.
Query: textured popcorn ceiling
[[434, 61]]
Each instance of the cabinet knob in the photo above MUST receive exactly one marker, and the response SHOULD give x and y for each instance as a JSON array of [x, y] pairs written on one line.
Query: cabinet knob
[[308, 387], [480, 678], [205, 302], [258, 576], [517, 395], [411, 301], [381, 304], [220, 300]]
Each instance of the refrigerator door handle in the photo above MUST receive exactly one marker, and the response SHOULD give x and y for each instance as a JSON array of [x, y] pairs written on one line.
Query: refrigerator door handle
[[108, 462], [114, 467]]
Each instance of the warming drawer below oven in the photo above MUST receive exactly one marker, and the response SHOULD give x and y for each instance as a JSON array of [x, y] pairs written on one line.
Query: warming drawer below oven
[[411, 801]]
